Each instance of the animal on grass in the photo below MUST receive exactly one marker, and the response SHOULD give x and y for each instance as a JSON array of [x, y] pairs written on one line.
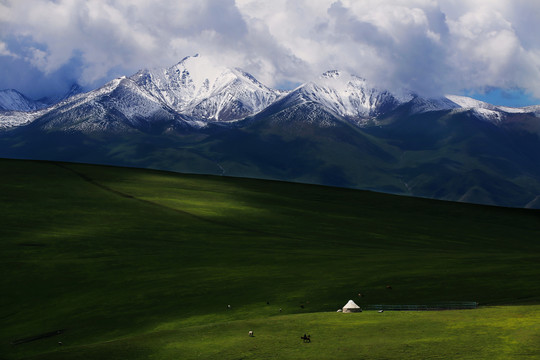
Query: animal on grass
[[388, 287], [306, 338], [250, 333]]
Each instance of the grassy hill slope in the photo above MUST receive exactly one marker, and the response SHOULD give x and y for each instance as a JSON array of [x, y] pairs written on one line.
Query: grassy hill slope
[[129, 263]]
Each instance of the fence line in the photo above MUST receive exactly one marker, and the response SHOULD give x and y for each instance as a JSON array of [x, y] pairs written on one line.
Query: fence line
[[453, 305]]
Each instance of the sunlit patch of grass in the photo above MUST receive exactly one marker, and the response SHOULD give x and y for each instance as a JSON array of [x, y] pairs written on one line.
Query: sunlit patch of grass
[[469, 334]]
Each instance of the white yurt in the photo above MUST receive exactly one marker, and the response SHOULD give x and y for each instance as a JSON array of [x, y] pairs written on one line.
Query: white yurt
[[351, 307]]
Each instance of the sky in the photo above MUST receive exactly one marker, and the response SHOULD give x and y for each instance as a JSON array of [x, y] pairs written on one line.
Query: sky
[[489, 49]]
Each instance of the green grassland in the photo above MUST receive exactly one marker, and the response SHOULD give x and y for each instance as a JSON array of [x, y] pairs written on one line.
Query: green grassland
[[138, 264]]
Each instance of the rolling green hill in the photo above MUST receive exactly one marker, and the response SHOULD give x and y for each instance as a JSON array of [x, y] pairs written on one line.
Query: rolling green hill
[[130, 263]]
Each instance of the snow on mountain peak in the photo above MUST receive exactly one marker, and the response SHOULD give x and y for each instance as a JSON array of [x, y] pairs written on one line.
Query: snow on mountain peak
[[12, 100], [198, 87], [469, 103], [340, 80], [493, 113], [349, 95], [200, 74]]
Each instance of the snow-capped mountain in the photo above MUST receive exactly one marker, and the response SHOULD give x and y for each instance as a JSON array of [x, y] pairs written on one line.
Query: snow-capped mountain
[[196, 92], [120, 105], [489, 112], [12, 100], [18, 110], [348, 95], [333, 97], [197, 88]]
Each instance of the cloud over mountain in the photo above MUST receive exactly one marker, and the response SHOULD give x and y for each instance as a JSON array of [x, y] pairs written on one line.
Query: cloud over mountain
[[429, 46]]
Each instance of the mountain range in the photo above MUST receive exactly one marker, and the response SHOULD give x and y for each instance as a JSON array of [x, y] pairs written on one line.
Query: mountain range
[[337, 130]]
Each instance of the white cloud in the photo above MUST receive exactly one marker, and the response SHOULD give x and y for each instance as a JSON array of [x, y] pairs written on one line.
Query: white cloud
[[4, 51], [430, 46]]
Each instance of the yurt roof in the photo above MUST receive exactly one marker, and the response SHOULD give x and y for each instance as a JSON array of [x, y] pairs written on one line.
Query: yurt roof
[[351, 305]]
